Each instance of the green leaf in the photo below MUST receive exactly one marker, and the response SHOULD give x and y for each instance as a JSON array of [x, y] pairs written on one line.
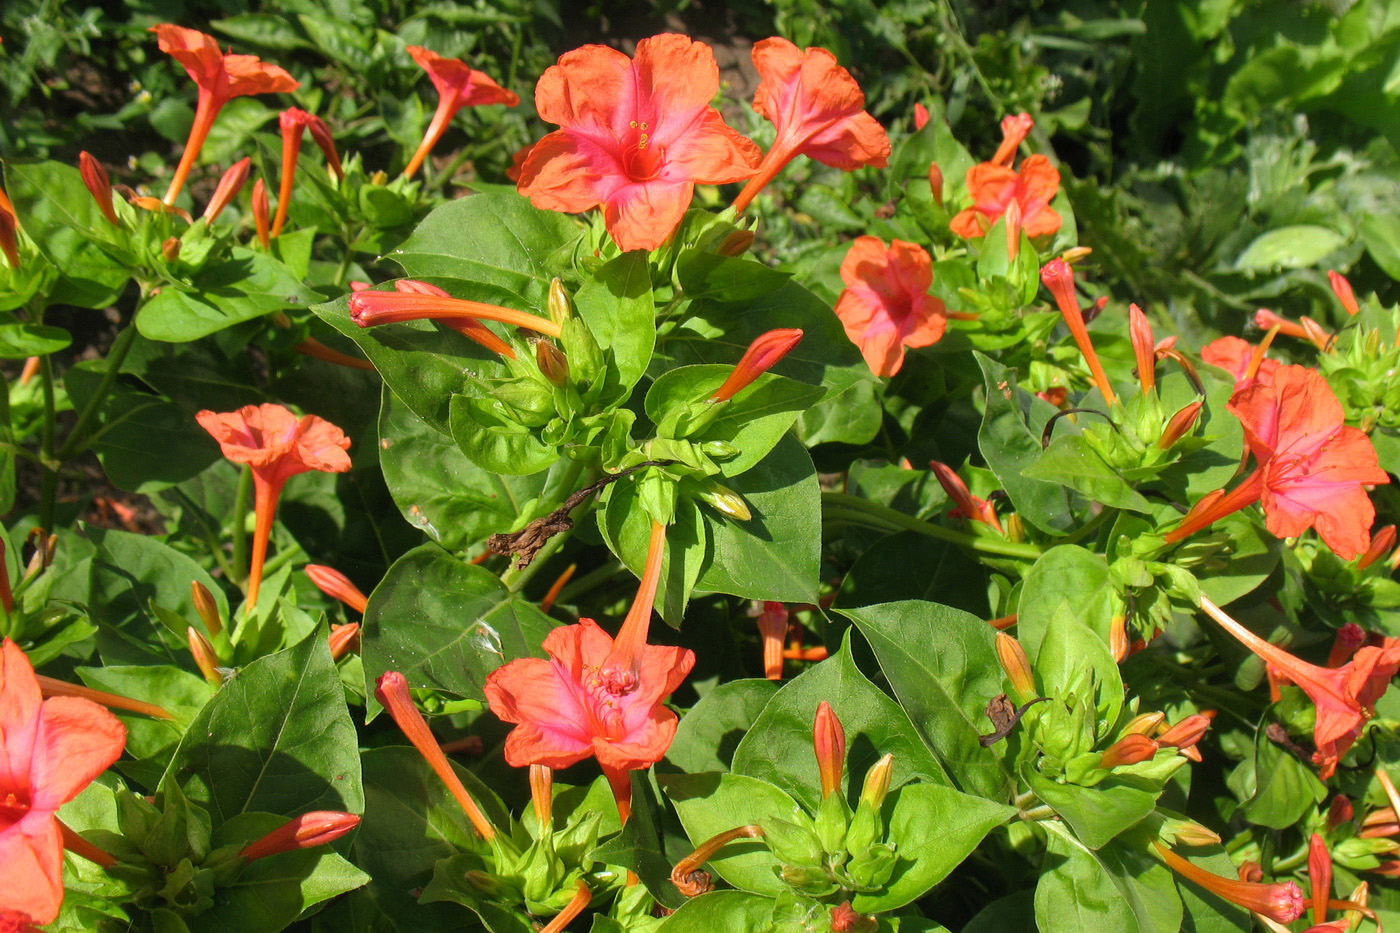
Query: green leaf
[[730, 911], [1071, 461], [709, 804], [1064, 574], [1300, 246], [853, 417], [944, 692], [1381, 234], [496, 238], [500, 447], [711, 730], [246, 285], [277, 737], [729, 279], [18, 341], [778, 748], [639, 847], [1011, 446], [1284, 787], [933, 829], [1099, 813], [442, 493], [1116, 889], [446, 624], [626, 528], [180, 693], [908, 566], [776, 554], [1073, 660], [617, 306]]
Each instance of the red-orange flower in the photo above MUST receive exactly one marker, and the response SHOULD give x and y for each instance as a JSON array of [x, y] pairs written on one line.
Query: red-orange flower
[[818, 110], [458, 85], [277, 445], [995, 187], [1281, 902], [886, 305], [1343, 695], [636, 135], [1234, 355], [762, 355], [220, 78], [317, 828], [596, 696], [49, 751], [229, 185]]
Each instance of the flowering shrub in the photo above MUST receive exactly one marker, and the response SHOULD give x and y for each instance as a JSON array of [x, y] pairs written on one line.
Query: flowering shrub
[[951, 596]]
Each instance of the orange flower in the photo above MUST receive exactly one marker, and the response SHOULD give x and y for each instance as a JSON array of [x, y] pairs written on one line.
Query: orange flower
[[886, 306], [1281, 902], [818, 111], [277, 445], [1235, 355], [762, 355], [317, 828], [635, 137], [995, 187], [220, 78], [1014, 129], [49, 751], [596, 696], [458, 85]]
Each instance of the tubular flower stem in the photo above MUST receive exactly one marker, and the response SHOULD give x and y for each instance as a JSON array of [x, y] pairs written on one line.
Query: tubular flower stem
[[829, 742], [392, 692], [1003, 623], [557, 587], [542, 795], [372, 308], [772, 629], [468, 327], [688, 866], [344, 639], [1388, 786], [1319, 876], [1342, 289], [79, 846], [761, 356], [317, 828], [1281, 902], [1144, 343], [230, 184], [204, 657], [293, 123], [1349, 638], [260, 214], [1381, 543], [1013, 229], [1129, 750], [1264, 319], [203, 604], [337, 585], [1215, 506], [95, 177], [1058, 277], [580, 900], [59, 688], [317, 350]]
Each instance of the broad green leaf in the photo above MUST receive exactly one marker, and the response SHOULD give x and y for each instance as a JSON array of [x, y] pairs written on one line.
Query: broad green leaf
[[499, 447], [944, 692], [225, 292], [180, 693], [1011, 446], [626, 528], [711, 803], [730, 911], [1116, 889], [277, 737], [776, 554], [728, 279], [18, 341], [1072, 659], [616, 304], [1014, 913], [1300, 246], [711, 730], [446, 624], [441, 492], [640, 846], [778, 747], [853, 417], [1099, 813], [935, 828], [1284, 787], [1064, 574], [1381, 234], [907, 566], [1070, 461]]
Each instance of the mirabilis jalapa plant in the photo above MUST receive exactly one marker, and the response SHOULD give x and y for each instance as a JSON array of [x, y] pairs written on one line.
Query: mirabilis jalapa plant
[[633, 381]]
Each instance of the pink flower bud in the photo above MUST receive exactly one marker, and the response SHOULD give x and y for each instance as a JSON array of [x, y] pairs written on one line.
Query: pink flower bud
[[829, 741], [762, 355], [1342, 289], [318, 828], [95, 177]]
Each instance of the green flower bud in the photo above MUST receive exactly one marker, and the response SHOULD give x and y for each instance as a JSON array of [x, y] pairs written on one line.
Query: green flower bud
[[814, 882], [871, 870], [833, 818], [792, 844]]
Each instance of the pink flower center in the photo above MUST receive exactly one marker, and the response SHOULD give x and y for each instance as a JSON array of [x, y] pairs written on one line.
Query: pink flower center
[[607, 689], [13, 807], [642, 159]]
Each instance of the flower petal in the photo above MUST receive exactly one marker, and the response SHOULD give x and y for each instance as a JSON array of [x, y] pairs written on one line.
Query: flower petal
[[77, 741]]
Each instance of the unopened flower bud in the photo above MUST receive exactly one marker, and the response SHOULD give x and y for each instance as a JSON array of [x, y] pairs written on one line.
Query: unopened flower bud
[[95, 177], [877, 782], [1076, 254], [204, 657], [1144, 347], [1180, 424], [482, 882], [322, 136], [1118, 641], [829, 742], [1144, 723], [317, 828], [762, 355], [170, 249], [1342, 289], [1186, 733], [379, 177], [935, 182], [344, 639], [229, 185], [726, 501], [1129, 750], [1348, 639], [560, 307], [337, 585], [1016, 666], [1189, 833], [844, 919], [1381, 543], [262, 214], [206, 607], [736, 243], [1339, 811], [553, 365]]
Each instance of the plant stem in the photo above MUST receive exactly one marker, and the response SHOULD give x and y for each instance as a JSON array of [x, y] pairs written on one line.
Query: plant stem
[[239, 563], [856, 509], [589, 581], [76, 443], [49, 483]]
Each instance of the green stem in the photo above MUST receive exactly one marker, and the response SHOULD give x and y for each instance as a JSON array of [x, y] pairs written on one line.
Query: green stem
[[1092, 525], [516, 580], [590, 581], [48, 488], [854, 508], [76, 443], [240, 525]]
